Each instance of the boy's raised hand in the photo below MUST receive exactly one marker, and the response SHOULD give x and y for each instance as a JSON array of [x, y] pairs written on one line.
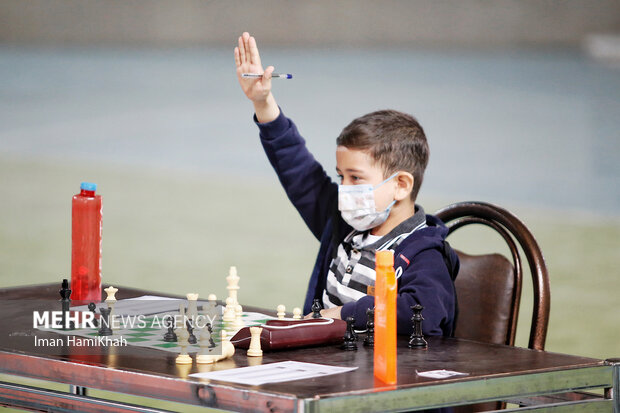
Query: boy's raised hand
[[258, 91]]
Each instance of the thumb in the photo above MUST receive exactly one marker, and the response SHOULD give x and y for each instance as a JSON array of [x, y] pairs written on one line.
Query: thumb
[[267, 76]]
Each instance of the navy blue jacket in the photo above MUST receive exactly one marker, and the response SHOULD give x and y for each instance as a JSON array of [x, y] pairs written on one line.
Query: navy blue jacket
[[425, 277]]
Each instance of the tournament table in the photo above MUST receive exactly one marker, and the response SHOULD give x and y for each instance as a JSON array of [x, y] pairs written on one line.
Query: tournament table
[[543, 381]]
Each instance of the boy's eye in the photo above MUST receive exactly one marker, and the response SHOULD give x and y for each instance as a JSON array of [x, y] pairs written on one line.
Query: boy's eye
[[340, 177]]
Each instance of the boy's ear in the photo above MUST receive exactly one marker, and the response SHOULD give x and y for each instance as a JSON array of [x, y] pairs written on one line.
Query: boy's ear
[[404, 185]]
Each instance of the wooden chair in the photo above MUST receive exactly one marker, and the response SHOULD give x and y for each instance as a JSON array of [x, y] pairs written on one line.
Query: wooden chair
[[489, 286]]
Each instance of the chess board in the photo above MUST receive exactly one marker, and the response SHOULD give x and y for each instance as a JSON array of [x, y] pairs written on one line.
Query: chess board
[[150, 333]]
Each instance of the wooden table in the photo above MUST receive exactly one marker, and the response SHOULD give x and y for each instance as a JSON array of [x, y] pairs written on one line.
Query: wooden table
[[495, 373]]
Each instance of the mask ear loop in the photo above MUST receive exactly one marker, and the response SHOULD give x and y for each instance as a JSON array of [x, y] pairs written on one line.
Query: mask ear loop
[[387, 179]]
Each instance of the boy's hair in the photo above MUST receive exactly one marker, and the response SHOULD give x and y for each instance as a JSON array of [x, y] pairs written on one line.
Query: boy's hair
[[394, 139]]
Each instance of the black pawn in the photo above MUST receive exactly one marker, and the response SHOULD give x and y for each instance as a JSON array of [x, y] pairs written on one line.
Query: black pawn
[[170, 336], [192, 338], [65, 301], [350, 338], [316, 308], [210, 330], [369, 341], [105, 329], [417, 339], [93, 309]]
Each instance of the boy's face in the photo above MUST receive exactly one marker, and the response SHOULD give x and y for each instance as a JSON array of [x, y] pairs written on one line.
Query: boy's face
[[356, 167]]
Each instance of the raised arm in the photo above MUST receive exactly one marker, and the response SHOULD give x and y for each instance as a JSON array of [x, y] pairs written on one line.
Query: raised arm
[[306, 183], [258, 91]]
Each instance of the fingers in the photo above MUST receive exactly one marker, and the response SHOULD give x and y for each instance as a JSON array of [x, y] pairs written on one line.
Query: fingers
[[241, 48], [237, 58], [246, 47], [254, 56]]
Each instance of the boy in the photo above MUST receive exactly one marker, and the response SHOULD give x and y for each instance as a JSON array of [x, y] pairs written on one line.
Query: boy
[[381, 159]]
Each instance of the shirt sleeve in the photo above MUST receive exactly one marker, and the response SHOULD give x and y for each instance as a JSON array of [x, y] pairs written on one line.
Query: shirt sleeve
[[305, 182]]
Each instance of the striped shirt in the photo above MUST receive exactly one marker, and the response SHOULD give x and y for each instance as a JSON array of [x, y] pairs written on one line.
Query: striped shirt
[[352, 270]]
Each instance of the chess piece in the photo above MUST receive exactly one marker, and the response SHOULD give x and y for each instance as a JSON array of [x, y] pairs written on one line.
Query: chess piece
[[111, 299], [210, 330], [229, 311], [369, 341], [190, 330], [211, 304], [65, 302], [106, 327], [228, 349], [93, 309], [233, 284], [203, 356], [281, 311], [238, 325], [417, 339], [350, 339], [316, 308], [183, 357], [192, 307], [255, 350], [297, 313], [170, 336]]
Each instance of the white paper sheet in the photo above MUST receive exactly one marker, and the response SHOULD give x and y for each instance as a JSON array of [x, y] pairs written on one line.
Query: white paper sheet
[[146, 305], [440, 374], [273, 373]]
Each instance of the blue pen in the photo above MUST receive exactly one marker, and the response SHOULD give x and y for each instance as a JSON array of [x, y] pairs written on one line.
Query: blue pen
[[273, 75]]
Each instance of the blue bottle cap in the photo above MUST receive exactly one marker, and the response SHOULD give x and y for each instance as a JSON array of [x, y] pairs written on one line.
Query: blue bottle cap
[[87, 186]]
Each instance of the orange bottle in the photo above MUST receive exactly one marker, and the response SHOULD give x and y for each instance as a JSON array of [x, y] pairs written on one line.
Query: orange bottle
[[385, 318], [86, 244]]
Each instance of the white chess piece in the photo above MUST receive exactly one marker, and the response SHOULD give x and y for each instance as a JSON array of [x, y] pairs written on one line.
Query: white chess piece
[[297, 313], [110, 298], [184, 357], [192, 307], [255, 350], [238, 317], [233, 284], [229, 311], [281, 311]]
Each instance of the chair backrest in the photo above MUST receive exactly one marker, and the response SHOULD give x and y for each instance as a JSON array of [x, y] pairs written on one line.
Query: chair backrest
[[488, 287]]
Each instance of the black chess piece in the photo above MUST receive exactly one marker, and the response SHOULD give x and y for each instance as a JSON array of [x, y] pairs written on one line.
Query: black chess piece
[[417, 339], [350, 338], [210, 330], [170, 336], [316, 308], [65, 302], [93, 309], [192, 338], [106, 327], [369, 341]]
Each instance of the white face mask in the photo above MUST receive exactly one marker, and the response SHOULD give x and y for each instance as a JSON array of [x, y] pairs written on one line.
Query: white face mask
[[357, 205]]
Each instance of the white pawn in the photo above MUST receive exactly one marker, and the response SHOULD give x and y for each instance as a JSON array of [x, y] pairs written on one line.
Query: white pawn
[[183, 358], [203, 356], [297, 313], [229, 311], [238, 325], [281, 311], [254, 350]]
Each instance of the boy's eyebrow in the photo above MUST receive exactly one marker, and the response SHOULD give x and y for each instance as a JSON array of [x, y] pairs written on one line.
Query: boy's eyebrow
[[350, 170]]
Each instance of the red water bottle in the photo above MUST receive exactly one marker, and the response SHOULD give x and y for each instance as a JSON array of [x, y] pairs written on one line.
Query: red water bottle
[[86, 244]]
